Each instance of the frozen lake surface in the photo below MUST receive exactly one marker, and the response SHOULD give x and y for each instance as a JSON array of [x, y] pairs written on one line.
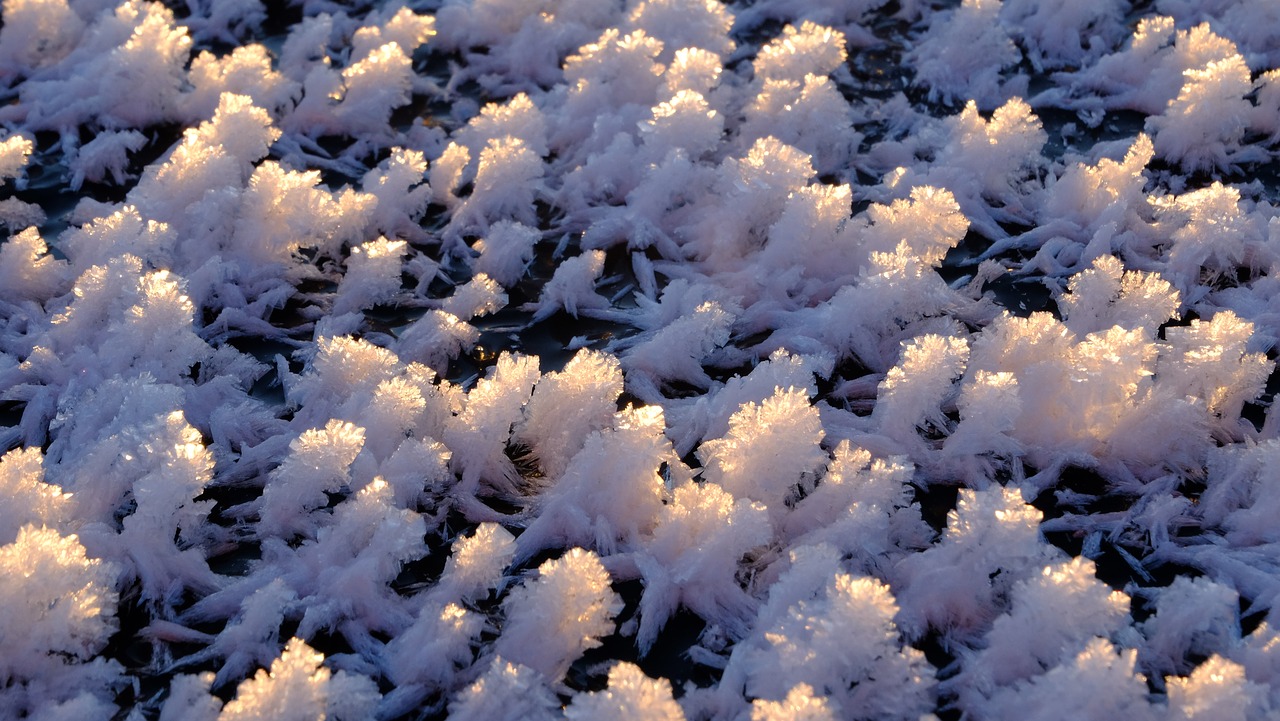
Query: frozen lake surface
[[667, 359]]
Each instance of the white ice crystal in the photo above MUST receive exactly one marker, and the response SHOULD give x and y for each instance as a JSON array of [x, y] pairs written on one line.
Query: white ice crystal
[[373, 275], [507, 181], [553, 618], [800, 705], [1053, 617], [60, 612], [298, 687], [809, 114], [693, 556], [1099, 682], [28, 272], [963, 52], [1217, 688], [248, 71], [126, 71], [31, 500], [506, 692], [14, 153], [318, 463], [861, 507], [568, 406], [1192, 616], [36, 33], [991, 542], [477, 563], [402, 196], [843, 643], [1147, 74], [479, 296], [1202, 127], [809, 49], [609, 495], [771, 451], [684, 24], [435, 339], [913, 391], [631, 696], [108, 153], [1064, 35], [506, 251], [676, 352]]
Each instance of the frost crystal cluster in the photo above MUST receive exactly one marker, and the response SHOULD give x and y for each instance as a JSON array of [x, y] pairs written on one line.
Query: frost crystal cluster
[[676, 360]]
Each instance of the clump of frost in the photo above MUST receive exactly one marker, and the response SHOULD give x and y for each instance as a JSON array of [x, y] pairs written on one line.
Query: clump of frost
[[1146, 75], [1252, 26], [28, 271], [477, 297], [1239, 496], [693, 556], [679, 24], [572, 287], [809, 114], [962, 54], [402, 196], [251, 637], [430, 654], [843, 642], [35, 35], [478, 435], [863, 508], [506, 251], [568, 406], [508, 179], [810, 49], [31, 501], [771, 453], [15, 150], [800, 705], [435, 339], [913, 392], [1052, 617], [127, 71], [476, 564], [610, 495], [372, 277], [676, 351], [1202, 128], [358, 100], [517, 45], [506, 692], [246, 70], [1099, 204], [1217, 688], [616, 78], [1064, 35], [751, 193], [299, 687], [709, 415], [1099, 682], [318, 462], [630, 696], [552, 619], [108, 153], [992, 541], [60, 612], [1196, 617], [1107, 295]]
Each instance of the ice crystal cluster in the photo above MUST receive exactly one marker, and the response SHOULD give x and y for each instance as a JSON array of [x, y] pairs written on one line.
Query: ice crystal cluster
[[639, 359]]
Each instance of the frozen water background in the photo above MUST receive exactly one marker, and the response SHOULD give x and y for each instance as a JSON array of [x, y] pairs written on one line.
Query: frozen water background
[[926, 359]]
